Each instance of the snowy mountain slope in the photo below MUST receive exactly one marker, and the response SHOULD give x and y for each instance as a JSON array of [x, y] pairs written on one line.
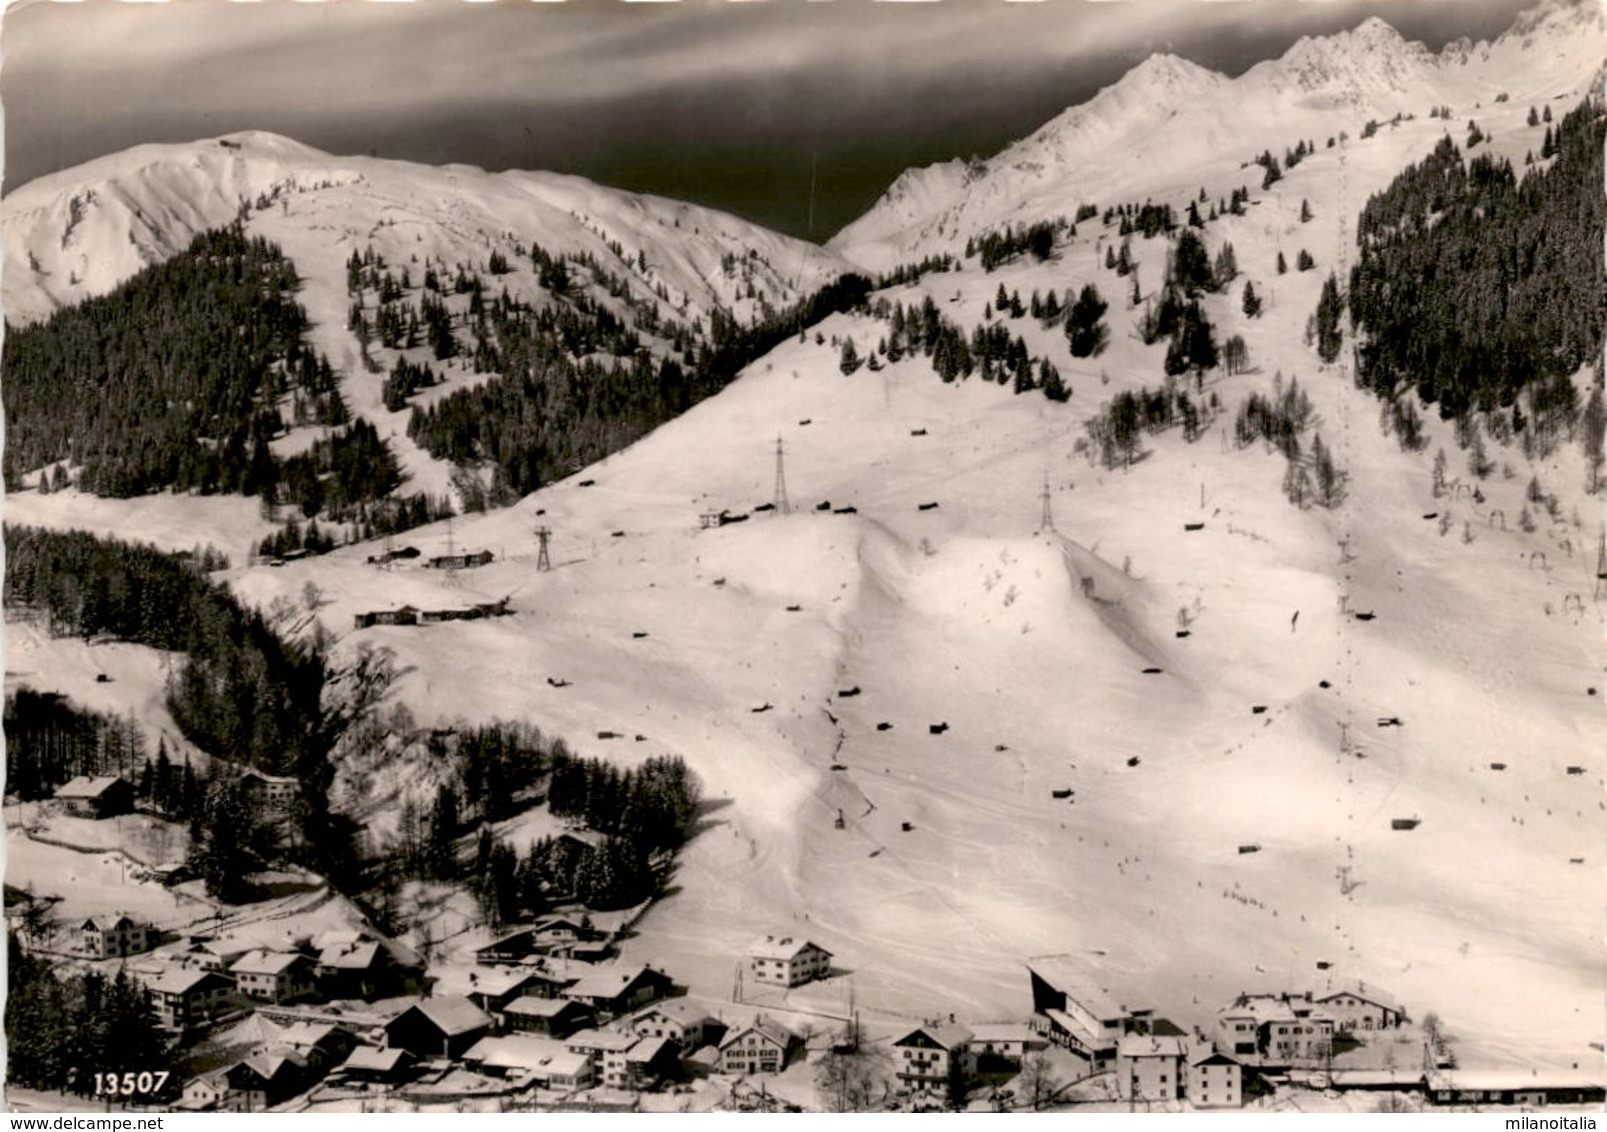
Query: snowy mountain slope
[[1032, 647], [79, 233], [1175, 125]]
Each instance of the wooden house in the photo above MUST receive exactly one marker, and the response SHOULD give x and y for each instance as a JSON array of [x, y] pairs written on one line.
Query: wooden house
[[438, 1027], [549, 1017], [679, 1020], [612, 991], [102, 797]]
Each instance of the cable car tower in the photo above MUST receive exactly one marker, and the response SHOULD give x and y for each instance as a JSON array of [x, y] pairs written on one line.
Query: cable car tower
[[543, 562]]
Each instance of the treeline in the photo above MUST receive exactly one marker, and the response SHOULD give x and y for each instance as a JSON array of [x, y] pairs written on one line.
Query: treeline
[[240, 692], [549, 415], [990, 350], [62, 1032], [1476, 287], [172, 380], [642, 815], [50, 741], [1117, 432]]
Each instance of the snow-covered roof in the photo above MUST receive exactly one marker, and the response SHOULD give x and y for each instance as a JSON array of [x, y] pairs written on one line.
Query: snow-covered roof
[[1492, 1080], [180, 980], [376, 1060], [604, 1040], [519, 1051], [681, 1010], [530, 1006], [646, 1050], [1003, 1032], [112, 923], [1076, 982], [355, 956], [607, 984], [947, 1035], [84, 787], [495, 981], [1362, 991], [266, 962], [1149, 1045], [766, 1027], [781, 947], [304, 1035], [453, 1014]]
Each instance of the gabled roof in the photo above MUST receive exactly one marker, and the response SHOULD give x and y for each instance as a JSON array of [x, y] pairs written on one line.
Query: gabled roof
[[452, 1015], [611, 983], [532, 1007], [179, 980], [1078, 983], [514, 1051], [605, 1040], [1149, 1045], [1209, 1055], [377, 1060], [305, 1035], [111, 923], [363, 955], [1004, 1032], [494, 981], [768, 1028], [84, 787], [252, 773], [646, 1050], [945, 1035], [782, 947], [1362, 991], [271, 1065], [266, 962], [679, 1010]]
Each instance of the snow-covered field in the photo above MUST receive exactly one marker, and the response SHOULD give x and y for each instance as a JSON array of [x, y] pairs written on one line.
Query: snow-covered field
[[734, 647]]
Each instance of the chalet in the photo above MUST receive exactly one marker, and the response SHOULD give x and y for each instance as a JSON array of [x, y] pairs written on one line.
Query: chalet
[[645, 1065], [269, 794], [1149, 1067], [438, 1027], [599, 1047], [489, 988], [763, 1046], [529, 1058], [207, 1093], [183, 998], [1215, 1079], [378, 1066], [114, 937], [679, 1020], [267, 1078], [273, 976], [1533, 1088], [619, 990], [1361, 1009], [323, 1044], [933, 1058], [1289, 1030], [209, 954], [786, 961], [1076, 1013], [554, 935], [103, 797], [1004, 1043], [406, 615], [362, 968], [549, 1017]]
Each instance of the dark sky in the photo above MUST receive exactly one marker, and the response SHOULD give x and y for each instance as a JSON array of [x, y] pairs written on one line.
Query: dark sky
[[723, 103]]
